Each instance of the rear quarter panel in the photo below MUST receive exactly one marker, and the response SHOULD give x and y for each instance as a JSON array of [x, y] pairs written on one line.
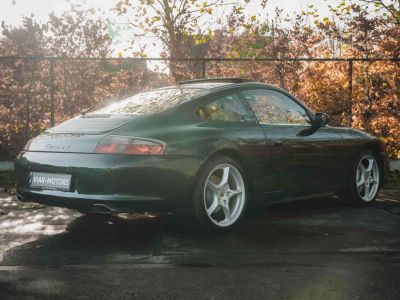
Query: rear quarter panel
[[187, 135]]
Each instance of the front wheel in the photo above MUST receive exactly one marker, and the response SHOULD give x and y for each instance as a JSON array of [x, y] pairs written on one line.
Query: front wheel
[[365, 180], [220, 195]]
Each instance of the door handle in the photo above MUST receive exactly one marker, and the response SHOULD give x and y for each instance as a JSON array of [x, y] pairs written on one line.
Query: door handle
[[276, 142]]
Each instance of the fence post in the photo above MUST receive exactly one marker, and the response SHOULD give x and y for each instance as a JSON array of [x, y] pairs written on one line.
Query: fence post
[[350, 78], [203, 68], [52, 93]]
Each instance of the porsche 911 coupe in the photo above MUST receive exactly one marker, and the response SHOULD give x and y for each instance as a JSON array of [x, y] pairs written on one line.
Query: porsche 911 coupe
[[203, 149]]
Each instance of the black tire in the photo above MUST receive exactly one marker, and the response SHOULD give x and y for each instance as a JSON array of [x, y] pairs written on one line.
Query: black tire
[[351, 195], [199, 218]]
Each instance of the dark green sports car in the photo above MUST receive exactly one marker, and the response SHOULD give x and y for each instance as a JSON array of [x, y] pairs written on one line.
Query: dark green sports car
[[204, 149]]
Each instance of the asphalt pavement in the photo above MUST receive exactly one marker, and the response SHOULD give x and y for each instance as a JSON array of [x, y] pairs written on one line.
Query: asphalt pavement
[[311, 249]]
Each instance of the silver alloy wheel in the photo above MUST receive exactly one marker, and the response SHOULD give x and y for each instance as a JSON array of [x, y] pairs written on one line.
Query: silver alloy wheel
[[367, 178], [224, 195]]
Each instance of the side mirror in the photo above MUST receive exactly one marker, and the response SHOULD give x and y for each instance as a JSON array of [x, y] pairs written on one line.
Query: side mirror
[[321, 119]]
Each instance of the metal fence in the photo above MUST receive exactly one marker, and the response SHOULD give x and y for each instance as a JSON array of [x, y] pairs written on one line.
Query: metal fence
[[203, 64], [38, 96]]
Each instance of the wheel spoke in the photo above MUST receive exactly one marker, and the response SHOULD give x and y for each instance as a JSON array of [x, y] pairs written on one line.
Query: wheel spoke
[[212, 186], [370, 165], [362, 169], [227, 212], [366, 189], [225, 176], [361, 181], [213, 206], [232, 193]]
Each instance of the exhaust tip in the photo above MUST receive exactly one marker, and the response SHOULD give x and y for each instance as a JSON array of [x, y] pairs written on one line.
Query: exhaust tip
[[102, 209]]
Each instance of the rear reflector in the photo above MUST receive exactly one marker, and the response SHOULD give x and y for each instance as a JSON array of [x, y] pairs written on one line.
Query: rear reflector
[[130, 145]]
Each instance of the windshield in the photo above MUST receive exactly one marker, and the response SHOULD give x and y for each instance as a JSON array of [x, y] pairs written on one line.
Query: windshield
[[151, 102]]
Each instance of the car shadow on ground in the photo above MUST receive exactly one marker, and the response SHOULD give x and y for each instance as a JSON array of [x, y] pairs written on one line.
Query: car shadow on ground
[[310, 249], [307, 226]]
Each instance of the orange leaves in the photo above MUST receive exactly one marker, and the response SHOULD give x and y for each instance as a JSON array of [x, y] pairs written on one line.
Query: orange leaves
[[325, 85], [351, 32]]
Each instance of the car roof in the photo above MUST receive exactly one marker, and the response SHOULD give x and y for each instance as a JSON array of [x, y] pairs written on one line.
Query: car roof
[[203, 85], [211, 83], [215, 84]]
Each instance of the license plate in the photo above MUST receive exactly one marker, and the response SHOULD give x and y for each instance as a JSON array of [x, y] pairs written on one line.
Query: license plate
[[51, 181]]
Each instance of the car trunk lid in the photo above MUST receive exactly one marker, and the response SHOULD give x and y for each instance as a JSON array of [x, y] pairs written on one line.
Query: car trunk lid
[[78, 135], [91, 124]]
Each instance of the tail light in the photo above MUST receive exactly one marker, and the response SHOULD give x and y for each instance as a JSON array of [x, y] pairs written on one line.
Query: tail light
[[130, 145]]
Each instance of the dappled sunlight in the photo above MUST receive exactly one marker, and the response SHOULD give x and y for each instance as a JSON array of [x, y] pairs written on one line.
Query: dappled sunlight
[[34, 222], [60, 217], [20, 224], [8, 202], [51, 235], [16, 241], [29, 225], [32, 228]]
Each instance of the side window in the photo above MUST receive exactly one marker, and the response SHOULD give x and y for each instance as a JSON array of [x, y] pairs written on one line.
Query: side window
[[228, 108], [272, 107]]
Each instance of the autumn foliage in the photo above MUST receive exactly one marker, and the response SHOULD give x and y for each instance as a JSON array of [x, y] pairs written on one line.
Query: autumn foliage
[[373, 105]]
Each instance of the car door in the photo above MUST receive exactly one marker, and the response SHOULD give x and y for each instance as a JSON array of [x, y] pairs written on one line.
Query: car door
[[306, 159], [233, 122]]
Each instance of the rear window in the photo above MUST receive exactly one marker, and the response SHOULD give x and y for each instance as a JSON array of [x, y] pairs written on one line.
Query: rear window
[[151, 102]]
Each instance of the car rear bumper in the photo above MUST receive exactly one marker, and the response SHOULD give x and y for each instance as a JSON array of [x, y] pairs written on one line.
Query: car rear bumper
[[127, 183], [88, 203]]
